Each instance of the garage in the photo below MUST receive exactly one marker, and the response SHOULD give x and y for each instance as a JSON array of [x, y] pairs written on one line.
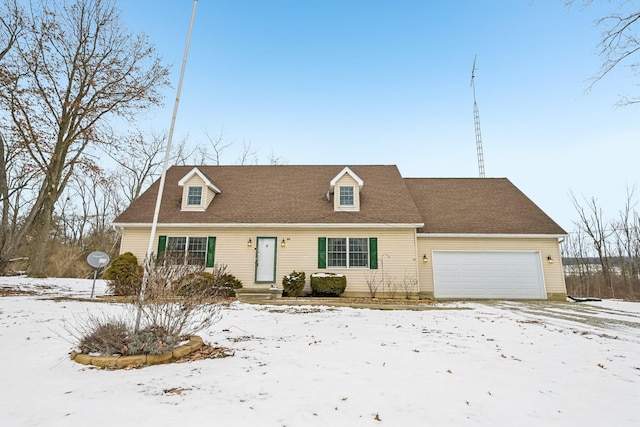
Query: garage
[[488, 274]]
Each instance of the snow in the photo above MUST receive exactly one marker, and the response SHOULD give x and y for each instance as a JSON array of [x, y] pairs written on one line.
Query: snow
[[481, 364]]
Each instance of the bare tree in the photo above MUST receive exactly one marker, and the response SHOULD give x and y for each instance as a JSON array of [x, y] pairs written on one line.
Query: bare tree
[[139, 159], [627, 243], [592, 223], [72, 69], [247, 155], [216, 146], [620, 42]]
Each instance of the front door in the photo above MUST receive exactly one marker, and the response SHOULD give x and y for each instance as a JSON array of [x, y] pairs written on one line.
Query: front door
[[266, 259]]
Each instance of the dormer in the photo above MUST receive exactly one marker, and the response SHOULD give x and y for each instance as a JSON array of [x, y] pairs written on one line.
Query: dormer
[[197, 191], [346, 188]]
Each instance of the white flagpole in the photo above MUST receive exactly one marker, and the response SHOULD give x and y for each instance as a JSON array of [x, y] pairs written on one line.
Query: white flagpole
[[148, 259]]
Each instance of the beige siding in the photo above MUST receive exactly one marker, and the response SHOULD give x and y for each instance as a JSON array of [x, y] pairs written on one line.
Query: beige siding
[[346, 181], [553, 274], [396, 252]]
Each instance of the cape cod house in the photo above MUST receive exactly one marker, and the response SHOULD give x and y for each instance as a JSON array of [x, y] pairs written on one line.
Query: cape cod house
[[447, 238]]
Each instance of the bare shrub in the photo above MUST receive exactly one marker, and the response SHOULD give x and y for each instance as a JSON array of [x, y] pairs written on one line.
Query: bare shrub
[[164, 316], [98, 333], [108, 338], [392, 286], [373, 283], [409, 285], [188, 313]]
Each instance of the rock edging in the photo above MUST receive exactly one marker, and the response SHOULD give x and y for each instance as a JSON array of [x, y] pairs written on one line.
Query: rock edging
[[195, 343]]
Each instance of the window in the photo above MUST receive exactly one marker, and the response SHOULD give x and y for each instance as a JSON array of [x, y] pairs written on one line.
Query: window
[[348, 252], [194, 197], [186, 250], [346, 196]]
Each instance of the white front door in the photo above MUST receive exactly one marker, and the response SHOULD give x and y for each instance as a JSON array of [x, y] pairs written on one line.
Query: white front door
[[266, 259]]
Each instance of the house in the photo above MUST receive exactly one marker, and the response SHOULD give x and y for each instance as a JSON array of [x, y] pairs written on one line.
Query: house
[[444, 238]]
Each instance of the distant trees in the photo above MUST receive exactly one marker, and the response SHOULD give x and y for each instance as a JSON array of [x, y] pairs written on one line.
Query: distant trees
[[603, 256]]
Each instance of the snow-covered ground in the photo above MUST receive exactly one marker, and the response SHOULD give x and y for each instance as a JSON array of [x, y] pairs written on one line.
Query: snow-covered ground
[[476, 364]]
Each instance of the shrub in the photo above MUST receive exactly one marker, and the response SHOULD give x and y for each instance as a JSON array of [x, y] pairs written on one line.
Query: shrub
[[151, 340], [124, 275], [107, 338], [229, 285], [219, 283], [293, 284], [328, 284]]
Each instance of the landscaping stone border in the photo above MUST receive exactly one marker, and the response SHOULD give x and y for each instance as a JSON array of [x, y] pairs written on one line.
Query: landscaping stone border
[[195, 343]]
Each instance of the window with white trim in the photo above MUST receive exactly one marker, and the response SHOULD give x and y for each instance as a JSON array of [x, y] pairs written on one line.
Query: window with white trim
[[348, 252], [194, 196], [186, 250], [347, 196]]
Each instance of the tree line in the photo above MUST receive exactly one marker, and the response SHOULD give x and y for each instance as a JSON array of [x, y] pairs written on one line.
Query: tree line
[[602, 256]]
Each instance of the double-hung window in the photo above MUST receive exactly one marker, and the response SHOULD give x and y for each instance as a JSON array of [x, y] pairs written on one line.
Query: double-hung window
[[194, 196], [186, 250], [347, 196], [348, 252]]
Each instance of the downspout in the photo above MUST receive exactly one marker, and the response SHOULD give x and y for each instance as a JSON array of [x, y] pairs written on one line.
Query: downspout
[[417, 260]]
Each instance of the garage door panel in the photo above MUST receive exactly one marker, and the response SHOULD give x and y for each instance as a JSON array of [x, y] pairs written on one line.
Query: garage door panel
[[477, 274]]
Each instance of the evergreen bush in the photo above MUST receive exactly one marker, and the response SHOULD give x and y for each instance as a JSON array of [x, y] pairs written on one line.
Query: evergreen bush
[[328, 284], [219, 283], [124, 275], [293, 284]]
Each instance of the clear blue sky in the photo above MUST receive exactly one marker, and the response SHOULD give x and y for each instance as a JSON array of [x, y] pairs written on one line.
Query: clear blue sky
[[388, 82]]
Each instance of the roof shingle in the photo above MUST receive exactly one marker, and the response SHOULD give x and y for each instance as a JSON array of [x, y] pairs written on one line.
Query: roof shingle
[[477, 206]]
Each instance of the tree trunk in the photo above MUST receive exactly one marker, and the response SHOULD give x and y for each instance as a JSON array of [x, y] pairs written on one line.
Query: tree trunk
[[39, 253]]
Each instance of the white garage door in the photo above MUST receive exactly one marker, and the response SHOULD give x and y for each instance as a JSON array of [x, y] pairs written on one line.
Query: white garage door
[[474, 274]]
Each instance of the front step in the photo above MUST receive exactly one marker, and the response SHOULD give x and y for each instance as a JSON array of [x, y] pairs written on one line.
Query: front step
[[256, 295]]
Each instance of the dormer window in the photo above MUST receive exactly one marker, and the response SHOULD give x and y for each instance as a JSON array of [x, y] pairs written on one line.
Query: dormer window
[[197, 191], [347, 188], [194, 197], [347, 196]]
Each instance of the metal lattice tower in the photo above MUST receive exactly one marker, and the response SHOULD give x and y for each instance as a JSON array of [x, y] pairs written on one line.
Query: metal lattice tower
[[476, 120]]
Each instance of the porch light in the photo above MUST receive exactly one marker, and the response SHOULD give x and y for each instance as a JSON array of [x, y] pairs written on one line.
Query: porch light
[[249, 242], [283, 243], [549, 259], [424, 258]]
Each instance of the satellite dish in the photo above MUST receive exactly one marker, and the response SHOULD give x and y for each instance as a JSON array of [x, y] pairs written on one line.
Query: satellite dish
[[98, 259]]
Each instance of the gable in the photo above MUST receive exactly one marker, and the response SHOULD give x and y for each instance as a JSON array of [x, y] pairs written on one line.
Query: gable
[[198, 191]]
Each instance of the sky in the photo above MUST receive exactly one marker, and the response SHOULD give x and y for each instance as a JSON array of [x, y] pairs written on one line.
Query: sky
[[510, 363], [388, 82]]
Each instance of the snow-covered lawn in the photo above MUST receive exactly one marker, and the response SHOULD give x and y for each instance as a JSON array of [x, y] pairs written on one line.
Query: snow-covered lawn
[[477, 364]]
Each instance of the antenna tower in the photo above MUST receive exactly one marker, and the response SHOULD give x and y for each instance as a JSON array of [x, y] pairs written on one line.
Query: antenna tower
[[476, 120]]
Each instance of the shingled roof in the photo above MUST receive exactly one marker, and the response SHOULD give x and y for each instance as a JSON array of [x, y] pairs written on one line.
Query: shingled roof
[[279, 195], [477, 206], [297, 195]]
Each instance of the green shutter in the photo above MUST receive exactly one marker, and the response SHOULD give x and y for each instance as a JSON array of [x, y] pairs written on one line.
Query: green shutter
[[162, 244], [211, 251], [322, 252], [373, 253]]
